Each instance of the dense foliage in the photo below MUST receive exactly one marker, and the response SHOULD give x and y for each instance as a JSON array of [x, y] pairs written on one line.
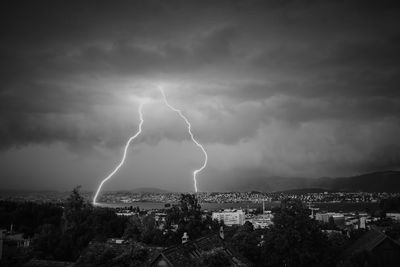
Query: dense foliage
[[76, 229], [80, 223], [185, 217], [188, 218], [294, 239], [61, 233], [390, 204], [27, 217]]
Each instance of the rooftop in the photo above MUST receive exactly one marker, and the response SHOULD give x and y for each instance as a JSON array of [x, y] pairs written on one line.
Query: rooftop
[[191, 253]]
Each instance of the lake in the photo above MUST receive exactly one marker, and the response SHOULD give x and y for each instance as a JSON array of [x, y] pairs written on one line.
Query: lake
[[334, 207]]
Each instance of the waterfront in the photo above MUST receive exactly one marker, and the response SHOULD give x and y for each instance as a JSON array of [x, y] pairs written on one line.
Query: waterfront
[[204, 206], [334, 207]]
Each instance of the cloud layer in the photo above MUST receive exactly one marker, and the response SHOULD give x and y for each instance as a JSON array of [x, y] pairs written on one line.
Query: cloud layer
[[286, 88]]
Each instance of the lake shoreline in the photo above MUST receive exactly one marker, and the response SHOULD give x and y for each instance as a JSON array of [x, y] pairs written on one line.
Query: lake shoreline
[[206, 206]]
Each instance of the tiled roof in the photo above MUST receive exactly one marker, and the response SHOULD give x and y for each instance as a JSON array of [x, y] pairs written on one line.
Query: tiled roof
[[368, 242], [190, 253]]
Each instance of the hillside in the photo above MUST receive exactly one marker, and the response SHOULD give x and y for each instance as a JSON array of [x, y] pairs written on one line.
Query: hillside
[[386, 181], [304, 191]]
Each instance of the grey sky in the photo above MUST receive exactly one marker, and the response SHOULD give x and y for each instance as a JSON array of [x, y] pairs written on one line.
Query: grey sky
[[272, 88]]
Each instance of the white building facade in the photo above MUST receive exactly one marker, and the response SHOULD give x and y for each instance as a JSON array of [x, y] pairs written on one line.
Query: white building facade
[[230, 217]]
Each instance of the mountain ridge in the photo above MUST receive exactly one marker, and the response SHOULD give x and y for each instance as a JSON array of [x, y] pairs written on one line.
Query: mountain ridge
[[383, 181]]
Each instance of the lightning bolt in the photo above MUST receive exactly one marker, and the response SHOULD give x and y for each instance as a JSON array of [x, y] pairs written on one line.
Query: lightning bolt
[[124, 155], [189, 127]]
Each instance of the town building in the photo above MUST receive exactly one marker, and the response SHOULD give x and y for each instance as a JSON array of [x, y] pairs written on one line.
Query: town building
[[126, 213], [11, 242], [230, 217], [338, 218], [260, 221], [393, 216]]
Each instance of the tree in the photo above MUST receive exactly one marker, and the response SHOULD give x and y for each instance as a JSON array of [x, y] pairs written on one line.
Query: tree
[[190, 207], [247, 227], [61, 232], [133, 229], [294, 239], [151, 234], [331, 224], [390, 204], [47, 239], [393, 231], [75, 210], [75, 201], [28, 217], [187, 215], [106, 223], [337, 243], [139, 255], [174, 216], [82, 223], [190, 219], [247, 241]]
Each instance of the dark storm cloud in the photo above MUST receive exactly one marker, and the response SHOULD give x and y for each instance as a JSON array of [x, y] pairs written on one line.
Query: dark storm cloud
[[385, 158], [36, 113], [126, 57], [265, 78], [49, 42]]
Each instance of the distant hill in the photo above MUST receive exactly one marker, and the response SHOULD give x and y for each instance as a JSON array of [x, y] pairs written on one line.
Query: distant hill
[[267, 184], [148, 190], [304, 191], [386, 181]]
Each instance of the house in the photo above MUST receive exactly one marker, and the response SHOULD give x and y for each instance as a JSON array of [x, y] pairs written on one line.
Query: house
[[374, 248], [393, 216], [17, 239], [118, 241], [11, 244], [193, 253]]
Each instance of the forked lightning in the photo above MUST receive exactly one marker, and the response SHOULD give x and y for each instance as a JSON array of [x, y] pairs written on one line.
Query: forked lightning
[[124, 155], [189, 127]]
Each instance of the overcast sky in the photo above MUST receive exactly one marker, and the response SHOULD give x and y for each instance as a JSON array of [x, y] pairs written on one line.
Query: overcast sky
[[272, 88]]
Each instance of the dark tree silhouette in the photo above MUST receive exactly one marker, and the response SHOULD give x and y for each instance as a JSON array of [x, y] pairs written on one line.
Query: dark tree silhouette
[[294, 239], [80, 224], [133, 229]]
